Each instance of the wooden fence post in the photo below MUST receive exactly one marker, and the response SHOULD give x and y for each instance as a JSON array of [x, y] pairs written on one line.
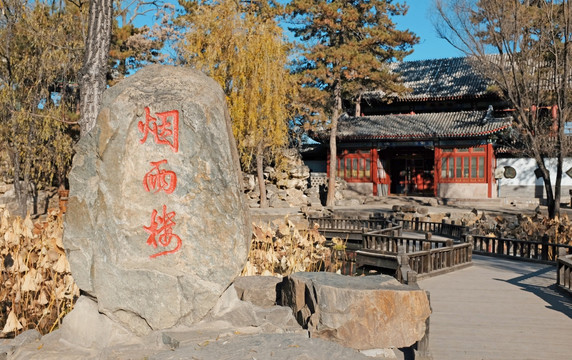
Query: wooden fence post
[[559, 268], [422, 346], [471, 241], [428, 261], [451, 257], [500, 246], [544, 247]]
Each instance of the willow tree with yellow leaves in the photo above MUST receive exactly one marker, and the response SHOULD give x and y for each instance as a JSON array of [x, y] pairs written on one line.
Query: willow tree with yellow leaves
[[240, 45], [40, 56]]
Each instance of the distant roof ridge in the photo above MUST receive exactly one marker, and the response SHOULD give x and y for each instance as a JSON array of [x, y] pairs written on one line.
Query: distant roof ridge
[[435, 59], [423, 113], [457, 124], [451, 77]]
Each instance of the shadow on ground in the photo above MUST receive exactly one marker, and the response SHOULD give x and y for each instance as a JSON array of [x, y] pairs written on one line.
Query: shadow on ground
[[535, 282]]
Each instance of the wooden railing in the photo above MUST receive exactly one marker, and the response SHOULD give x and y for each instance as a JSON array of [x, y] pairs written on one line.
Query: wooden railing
[[393, 240], [539, 251], [440, 260], [382, 240], [438, 228], [383, 245], [349, 224], [563, 273]]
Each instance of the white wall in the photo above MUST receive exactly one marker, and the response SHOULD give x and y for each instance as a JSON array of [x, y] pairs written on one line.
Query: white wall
[[525, 184]]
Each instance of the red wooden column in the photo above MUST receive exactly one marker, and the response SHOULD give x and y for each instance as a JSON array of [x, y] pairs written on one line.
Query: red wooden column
[[436, 170], [489, 170], [373, 169]]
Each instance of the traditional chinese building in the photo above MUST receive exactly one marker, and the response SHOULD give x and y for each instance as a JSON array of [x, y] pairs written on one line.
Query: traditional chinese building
[[438, 140]]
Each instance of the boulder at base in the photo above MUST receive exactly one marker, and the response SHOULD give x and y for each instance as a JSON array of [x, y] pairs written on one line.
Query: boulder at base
[[367, 312], [156, 227]]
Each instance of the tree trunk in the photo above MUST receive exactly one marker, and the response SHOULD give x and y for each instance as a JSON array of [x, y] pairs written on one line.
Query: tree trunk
[[562, 111], [550, 201], [331, 198], [260, 175], [358, 106], [94, 70], [26, 186], [21, 193]]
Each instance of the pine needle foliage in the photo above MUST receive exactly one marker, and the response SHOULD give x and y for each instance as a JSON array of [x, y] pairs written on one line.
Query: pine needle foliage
[[345, 47]]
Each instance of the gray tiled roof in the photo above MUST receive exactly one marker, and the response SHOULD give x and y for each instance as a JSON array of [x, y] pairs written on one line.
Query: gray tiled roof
[[438, 78], [463, 124]]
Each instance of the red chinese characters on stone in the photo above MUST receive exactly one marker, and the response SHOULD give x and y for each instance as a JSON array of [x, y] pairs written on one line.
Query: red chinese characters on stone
[[165, 128], [159, 179], [161, 232]]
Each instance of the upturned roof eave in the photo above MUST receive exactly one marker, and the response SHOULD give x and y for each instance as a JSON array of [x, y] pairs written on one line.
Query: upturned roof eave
[[324, 137]]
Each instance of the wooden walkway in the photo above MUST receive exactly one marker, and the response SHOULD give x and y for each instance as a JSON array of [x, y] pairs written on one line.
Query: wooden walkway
[[499, 309]]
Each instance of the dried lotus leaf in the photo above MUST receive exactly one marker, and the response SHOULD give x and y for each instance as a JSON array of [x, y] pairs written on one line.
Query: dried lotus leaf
[[18, 296], [11, 238], [53, 255], [266, 272], [43, 299], [12, 323], [31, 281], [61, 266], [5, 221], [28, 227], [20, 264]]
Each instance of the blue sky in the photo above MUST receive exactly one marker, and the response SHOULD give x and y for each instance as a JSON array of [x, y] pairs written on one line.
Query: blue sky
[[418, 20]]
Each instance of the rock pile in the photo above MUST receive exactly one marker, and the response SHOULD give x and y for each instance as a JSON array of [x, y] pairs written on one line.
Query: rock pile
[[363, 313], [287, 185], [327, 316], [37, 205], [524, 227]]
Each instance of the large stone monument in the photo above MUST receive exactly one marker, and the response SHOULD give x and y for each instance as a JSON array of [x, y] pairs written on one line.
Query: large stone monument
[[156, 227]]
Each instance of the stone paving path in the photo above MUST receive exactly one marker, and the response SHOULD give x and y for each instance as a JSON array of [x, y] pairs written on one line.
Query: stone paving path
[[499, 309]]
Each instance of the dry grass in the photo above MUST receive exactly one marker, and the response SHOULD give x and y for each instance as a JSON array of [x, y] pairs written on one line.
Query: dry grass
[[287, 250], [531, 228], [37, 286]]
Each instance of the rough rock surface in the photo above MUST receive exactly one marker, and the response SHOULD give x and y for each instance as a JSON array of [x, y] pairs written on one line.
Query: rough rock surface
[[156, 252], [363, 313], [234, 329], [264, 346], [85, 334], [260, 290]]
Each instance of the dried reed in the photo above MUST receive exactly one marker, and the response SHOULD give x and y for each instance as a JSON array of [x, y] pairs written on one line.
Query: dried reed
[[532, 228], [287, 250], [37, 286]]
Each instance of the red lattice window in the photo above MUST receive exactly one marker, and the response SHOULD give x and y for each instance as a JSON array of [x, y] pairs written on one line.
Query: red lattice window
[[355, 167], [463, 164]]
